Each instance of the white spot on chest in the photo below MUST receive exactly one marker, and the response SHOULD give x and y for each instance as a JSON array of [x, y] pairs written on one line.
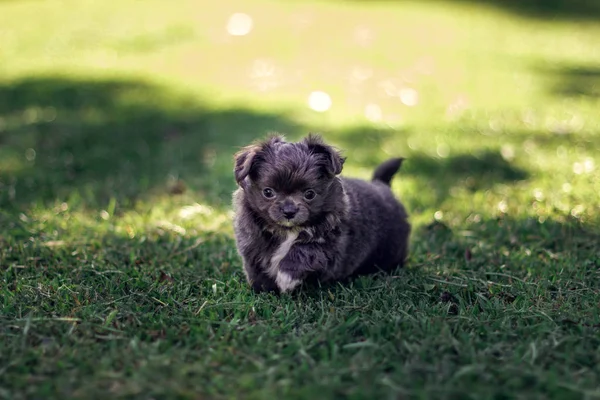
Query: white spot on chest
[[281, 252]]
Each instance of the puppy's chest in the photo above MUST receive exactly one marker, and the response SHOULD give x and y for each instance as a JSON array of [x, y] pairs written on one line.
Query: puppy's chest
[[281, 245]]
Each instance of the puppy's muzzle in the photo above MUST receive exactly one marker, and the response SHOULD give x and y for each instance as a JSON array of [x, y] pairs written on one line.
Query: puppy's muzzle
[[289, 210]]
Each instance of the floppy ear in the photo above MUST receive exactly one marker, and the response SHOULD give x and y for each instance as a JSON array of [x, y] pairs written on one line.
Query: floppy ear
[[332, 160], [244, 160], [247, 158]]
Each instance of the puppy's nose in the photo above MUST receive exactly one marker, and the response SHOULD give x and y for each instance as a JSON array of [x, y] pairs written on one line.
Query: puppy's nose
[[289, 210]]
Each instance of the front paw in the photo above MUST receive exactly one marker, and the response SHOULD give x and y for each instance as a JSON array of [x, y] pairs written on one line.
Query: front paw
[[263, 284], [285, 282], [295, 269], [290, 275]]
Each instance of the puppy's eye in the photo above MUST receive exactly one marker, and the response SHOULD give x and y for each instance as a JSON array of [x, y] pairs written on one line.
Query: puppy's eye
[[268, 193], [310, 194]]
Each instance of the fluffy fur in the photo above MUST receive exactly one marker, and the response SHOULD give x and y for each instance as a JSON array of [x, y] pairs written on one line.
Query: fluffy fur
[[296, 218]]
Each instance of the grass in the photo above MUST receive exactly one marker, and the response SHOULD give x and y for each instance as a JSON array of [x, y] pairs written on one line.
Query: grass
[[119, 275]]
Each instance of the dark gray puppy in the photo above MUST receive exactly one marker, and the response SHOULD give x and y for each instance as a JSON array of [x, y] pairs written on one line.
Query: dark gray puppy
[[295, 218]]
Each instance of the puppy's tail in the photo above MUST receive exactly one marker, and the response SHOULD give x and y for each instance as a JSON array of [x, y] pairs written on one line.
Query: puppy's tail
[[386, 170]]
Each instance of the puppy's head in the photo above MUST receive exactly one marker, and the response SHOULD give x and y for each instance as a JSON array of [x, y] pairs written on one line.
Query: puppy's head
[[290, 184]]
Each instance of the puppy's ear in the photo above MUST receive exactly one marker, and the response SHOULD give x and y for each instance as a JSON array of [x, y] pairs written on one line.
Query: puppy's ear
[[332, 160], [248, 157], [244, 161]]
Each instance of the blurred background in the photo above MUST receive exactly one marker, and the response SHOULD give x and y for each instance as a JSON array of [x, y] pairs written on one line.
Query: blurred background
[[122, 117]]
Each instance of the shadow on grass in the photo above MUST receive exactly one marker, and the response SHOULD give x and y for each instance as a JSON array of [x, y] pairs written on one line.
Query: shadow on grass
[[474, 172], [564, 135], [479, 170], [573, 81], [544, 9], [91, 141], [364, 142]]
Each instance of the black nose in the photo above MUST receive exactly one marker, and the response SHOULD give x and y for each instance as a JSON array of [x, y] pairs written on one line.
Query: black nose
[[289, 210]]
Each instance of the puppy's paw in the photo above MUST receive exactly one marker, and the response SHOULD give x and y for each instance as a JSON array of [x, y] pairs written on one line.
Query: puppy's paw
[[262, 284], [285, 282]]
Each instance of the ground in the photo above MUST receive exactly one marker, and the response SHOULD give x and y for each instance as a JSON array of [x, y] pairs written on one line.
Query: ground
[[118, 272]]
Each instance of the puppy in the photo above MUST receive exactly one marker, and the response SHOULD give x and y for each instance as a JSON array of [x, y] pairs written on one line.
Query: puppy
[[296, 218]]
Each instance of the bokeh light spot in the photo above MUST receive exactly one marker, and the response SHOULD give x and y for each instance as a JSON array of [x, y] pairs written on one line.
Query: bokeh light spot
[[503, 207], [409, 97], [30, 154], [443, 150], [373, 112], [361, 74], [389, 87], [508, 152], [239, 24], [263, 75], [319, 101], [578, 210]]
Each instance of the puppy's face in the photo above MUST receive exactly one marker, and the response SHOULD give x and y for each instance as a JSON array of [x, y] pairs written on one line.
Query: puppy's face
[[289, 184]]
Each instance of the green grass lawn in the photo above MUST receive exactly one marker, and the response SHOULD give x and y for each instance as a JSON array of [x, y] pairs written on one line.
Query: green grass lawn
[[119, 276]]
